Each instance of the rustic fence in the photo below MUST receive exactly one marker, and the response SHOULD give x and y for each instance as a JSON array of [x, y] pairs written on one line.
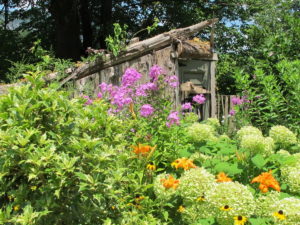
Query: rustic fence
[[224, 105]]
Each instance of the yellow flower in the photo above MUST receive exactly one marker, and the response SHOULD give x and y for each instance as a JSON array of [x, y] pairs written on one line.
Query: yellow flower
[[239, 220], [33, 188], [138, 198], [180, 209], [225, 208], [16, 208], [151, 166], [113, 207], [279, 215], [200, 199]]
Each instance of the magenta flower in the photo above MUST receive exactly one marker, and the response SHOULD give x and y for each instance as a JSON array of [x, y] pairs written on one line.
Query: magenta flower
[[105, 87], [142, 89], [88, 100], [200, 99], [130, 77], [172, 81], [237, 101], [173, 119], [186, 106], [99, 95], [146, 110], [155, 71], [232, 112]]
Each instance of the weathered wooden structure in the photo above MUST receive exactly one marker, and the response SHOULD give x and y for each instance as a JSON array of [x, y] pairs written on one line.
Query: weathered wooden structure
[[193, 61]]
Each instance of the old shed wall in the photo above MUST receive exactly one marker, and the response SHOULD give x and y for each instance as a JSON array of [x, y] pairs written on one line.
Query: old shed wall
[[162, 57]]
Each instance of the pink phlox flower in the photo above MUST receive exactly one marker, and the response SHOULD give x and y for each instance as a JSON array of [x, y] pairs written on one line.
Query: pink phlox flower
[[173, 119], [200, 99], [146, 110], [172, 81], [130, 77], [155, 71], [237, 101], [186, 106], [232, 112], [105, 87], [99, 95], [121, 96], [142, 89], [88, 100]]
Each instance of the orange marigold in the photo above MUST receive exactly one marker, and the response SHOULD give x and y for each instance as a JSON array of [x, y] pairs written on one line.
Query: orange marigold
[[266, 181], [184, 163], [142, 149], [222, 177], [171, 182]]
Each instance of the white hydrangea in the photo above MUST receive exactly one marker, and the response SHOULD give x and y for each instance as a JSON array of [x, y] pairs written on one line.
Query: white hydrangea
[[264, 203], [190, 117], [290, 208], [160, 191], [200, 157], [282, 136], [194, 183], [283, 152], [248, 130], [253, 143], [269, 146], [291, 176], [214, 122], [201, 132], [234, 195], [196, 211]]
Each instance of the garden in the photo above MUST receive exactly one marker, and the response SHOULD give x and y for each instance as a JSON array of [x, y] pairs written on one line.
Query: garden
[[128, 157]]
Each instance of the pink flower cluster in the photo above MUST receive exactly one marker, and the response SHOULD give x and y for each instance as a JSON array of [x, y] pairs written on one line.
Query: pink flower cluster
[[237, 101], [200, 99], [172, 81], [130, 77], [186, 106], [146, 110], [173, 118], [88, 100], [144, 88], [155, 71]]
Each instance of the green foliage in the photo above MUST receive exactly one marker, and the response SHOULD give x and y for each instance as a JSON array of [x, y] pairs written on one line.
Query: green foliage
[[117, 43]]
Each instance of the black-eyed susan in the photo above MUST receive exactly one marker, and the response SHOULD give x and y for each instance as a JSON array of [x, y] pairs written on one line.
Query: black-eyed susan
[[201, 198], [16, 208], [180, 209], [138, 198], [225, 208], [280, 215], [239, 220], [151, 166]]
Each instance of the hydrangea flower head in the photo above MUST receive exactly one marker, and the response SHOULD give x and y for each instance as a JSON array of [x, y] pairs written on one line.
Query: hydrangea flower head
[[283, 136], [237, 197], [246, 130], [291, 176], [289, 208], [194, 183], [200, 132], [146, 110], [200, 99], [130, 77]]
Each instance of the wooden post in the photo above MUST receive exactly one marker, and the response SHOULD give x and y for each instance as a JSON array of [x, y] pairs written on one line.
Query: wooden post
[[213, 85]]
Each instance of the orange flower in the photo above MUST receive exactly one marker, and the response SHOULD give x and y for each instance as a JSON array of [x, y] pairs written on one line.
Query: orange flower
[[170, 182], [184, 163], [142, 149], [266, 181], [222, 177]]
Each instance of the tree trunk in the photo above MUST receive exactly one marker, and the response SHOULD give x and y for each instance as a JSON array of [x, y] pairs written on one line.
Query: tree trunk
[[106, 21], [65, 13], [6, 10], [86, 28]]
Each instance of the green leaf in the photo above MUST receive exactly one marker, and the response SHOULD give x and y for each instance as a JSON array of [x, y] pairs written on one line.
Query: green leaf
[[184, 153], [259, 161]]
